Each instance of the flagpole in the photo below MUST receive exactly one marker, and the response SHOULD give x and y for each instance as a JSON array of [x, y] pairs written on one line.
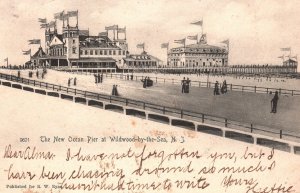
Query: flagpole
[[125, 32], [77, 19], [114, 35], [202, 27], [117, 32]]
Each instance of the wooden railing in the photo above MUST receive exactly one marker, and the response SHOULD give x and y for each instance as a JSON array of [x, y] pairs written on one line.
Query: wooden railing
[[175, 112]]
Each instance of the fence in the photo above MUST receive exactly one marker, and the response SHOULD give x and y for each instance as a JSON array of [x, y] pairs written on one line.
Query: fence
[[180, 113], [230, 87]]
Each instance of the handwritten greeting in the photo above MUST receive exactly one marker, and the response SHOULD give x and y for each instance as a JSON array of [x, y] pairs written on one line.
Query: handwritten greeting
[[140, 168]]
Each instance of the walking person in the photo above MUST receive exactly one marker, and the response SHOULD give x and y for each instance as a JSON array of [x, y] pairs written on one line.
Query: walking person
[[187, 86], [216, 89], [75, 81], [183, 85], [96, 78], [69, 82], [274, 102], [144, 82], [115, 91], [224, 87], [101, 78]]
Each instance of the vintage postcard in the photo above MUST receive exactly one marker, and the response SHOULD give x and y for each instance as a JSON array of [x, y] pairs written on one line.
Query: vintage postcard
[[149, 96]]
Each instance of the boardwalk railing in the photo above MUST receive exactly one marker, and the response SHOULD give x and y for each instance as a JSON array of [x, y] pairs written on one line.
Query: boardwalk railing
[[203, 84], [175, 112]]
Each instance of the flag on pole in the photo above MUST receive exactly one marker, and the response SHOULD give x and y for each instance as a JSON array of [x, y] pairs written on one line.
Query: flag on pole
[[200, 23], [113, 27], [27, 52], [285, 49], [122, 30], [103, 34], [226, 42], [6, 59], [42, 20], [182, 41], [72, 13], [203, 39], [59, 15], [282, 57], [44, 25], [34, 41], [141, 45], [295, 57], [52, 24], [195, 37], [165, 45], [65, 16]]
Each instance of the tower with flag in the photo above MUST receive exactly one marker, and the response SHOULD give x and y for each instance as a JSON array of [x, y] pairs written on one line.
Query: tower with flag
[[74, 47]]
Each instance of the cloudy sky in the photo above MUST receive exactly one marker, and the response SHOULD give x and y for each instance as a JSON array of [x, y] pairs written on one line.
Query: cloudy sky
[[256, 29]]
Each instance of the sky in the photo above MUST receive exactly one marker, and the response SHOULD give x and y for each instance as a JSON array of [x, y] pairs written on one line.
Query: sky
[[256, 29]]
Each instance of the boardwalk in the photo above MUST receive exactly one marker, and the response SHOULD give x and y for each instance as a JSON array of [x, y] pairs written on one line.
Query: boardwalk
[[244, 107]]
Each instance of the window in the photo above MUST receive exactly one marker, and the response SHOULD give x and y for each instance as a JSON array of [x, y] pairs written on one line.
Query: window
[[73, 41], [81, 52], [123, 52], [96, 52], [105, 52], [86, 52], [109, 52], [91, 52], [74, 50], [101, 52], [114, 52], [119, 52]]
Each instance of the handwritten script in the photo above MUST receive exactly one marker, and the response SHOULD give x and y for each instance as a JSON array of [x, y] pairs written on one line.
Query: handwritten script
[[142, 169]]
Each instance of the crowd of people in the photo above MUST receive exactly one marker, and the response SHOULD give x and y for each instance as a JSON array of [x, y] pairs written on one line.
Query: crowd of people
[[74, 81], [98, 78], [147, 82], [185, 85], [220, 87], [38, 74]]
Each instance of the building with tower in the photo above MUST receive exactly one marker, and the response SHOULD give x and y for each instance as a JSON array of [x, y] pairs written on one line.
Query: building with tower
[[75, 48]]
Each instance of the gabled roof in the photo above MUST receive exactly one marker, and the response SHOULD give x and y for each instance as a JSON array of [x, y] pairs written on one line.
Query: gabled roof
[[39, 54], [290, 61], [56, 39]]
